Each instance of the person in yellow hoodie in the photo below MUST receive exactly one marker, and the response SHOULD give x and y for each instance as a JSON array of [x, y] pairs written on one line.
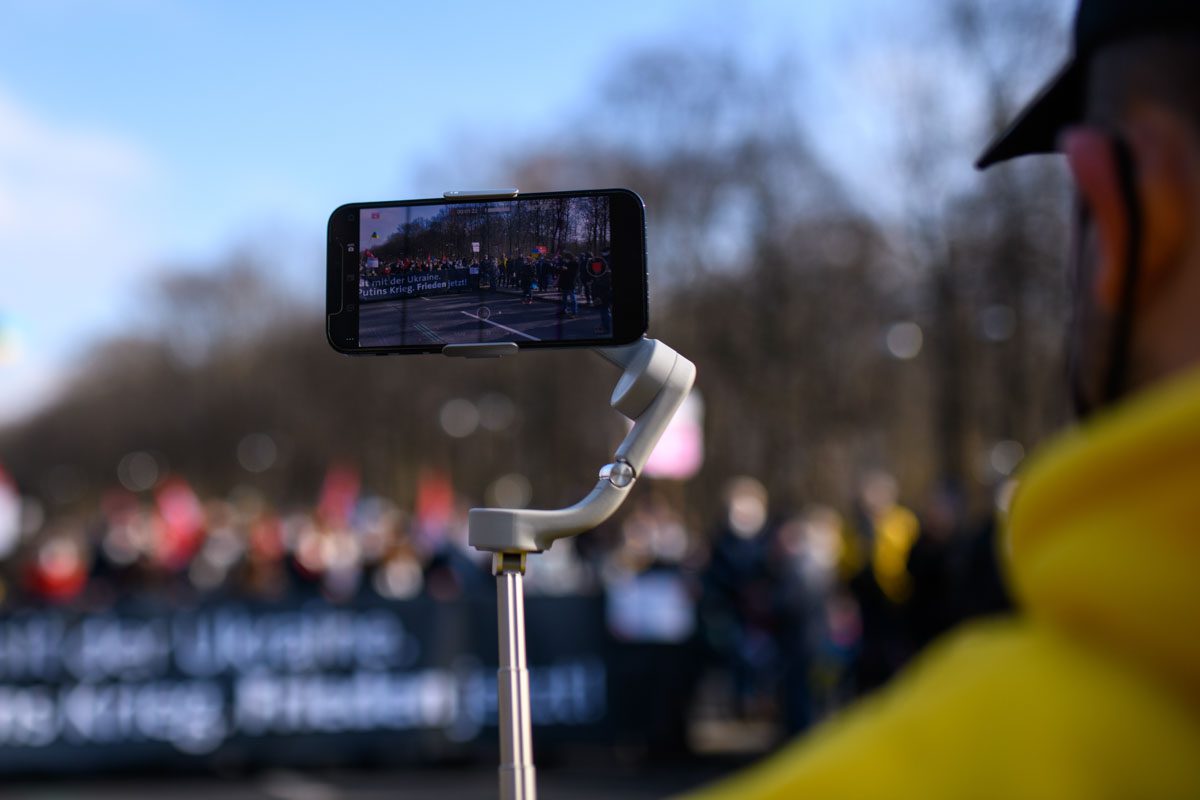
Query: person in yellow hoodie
[[1093, 689]]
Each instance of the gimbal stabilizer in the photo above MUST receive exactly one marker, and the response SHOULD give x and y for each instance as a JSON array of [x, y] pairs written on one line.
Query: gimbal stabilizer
[[654, 382]]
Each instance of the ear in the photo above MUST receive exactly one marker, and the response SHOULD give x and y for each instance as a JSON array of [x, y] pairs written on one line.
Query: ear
[[1163, 161], [1093, 165]]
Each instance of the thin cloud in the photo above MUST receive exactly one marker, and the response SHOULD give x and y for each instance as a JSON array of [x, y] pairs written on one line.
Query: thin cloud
[[73, 205]]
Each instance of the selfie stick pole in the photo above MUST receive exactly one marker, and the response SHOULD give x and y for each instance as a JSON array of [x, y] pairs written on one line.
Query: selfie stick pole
[[654, 382], [517, 779]]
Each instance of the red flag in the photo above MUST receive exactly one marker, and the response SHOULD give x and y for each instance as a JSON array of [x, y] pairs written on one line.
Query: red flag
[[339, 493], [435, 498], [182, 528]]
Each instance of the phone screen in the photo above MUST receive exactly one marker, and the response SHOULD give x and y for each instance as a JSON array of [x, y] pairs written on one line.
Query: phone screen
[[537, 270]]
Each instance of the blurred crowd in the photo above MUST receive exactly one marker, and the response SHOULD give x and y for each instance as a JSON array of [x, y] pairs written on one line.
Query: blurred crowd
[[169, 545], [778, 617], [797, 613]]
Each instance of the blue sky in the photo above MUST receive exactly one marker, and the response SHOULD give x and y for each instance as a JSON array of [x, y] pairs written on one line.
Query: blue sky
[[137, 135]]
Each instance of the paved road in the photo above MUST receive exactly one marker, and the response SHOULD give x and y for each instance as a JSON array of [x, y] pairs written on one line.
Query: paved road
[[447, 783], [484, 316]]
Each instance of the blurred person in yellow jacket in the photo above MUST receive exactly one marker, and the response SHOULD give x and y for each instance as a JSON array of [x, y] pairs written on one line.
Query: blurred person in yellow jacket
[[1093, 689], [895, 530], [881, 537]]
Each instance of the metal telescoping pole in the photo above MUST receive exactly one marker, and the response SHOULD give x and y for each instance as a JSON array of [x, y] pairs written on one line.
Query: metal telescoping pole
[[517, 779]]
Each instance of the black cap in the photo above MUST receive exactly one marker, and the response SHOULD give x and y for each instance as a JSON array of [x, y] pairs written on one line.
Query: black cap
[[1061, 102]]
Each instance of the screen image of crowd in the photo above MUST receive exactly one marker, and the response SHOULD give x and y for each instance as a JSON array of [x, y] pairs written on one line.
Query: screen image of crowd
[[727, 634], [533, 270]]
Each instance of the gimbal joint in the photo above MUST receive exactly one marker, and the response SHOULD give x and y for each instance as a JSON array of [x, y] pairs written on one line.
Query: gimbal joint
[[619, 473]]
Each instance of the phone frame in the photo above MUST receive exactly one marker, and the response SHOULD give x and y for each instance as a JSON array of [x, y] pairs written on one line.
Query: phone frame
[[627, 247]]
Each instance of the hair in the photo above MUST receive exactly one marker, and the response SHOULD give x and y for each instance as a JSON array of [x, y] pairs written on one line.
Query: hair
[[1163, 69]]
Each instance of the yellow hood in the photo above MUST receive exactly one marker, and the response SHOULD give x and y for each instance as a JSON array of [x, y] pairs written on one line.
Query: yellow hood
[[1104, 535], [1095, 690]]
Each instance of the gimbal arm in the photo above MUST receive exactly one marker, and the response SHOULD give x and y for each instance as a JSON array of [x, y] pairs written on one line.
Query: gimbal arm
[[654, 382]]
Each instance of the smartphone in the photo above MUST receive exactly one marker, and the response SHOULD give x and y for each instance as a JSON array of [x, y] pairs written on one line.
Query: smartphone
[[551, 269]]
